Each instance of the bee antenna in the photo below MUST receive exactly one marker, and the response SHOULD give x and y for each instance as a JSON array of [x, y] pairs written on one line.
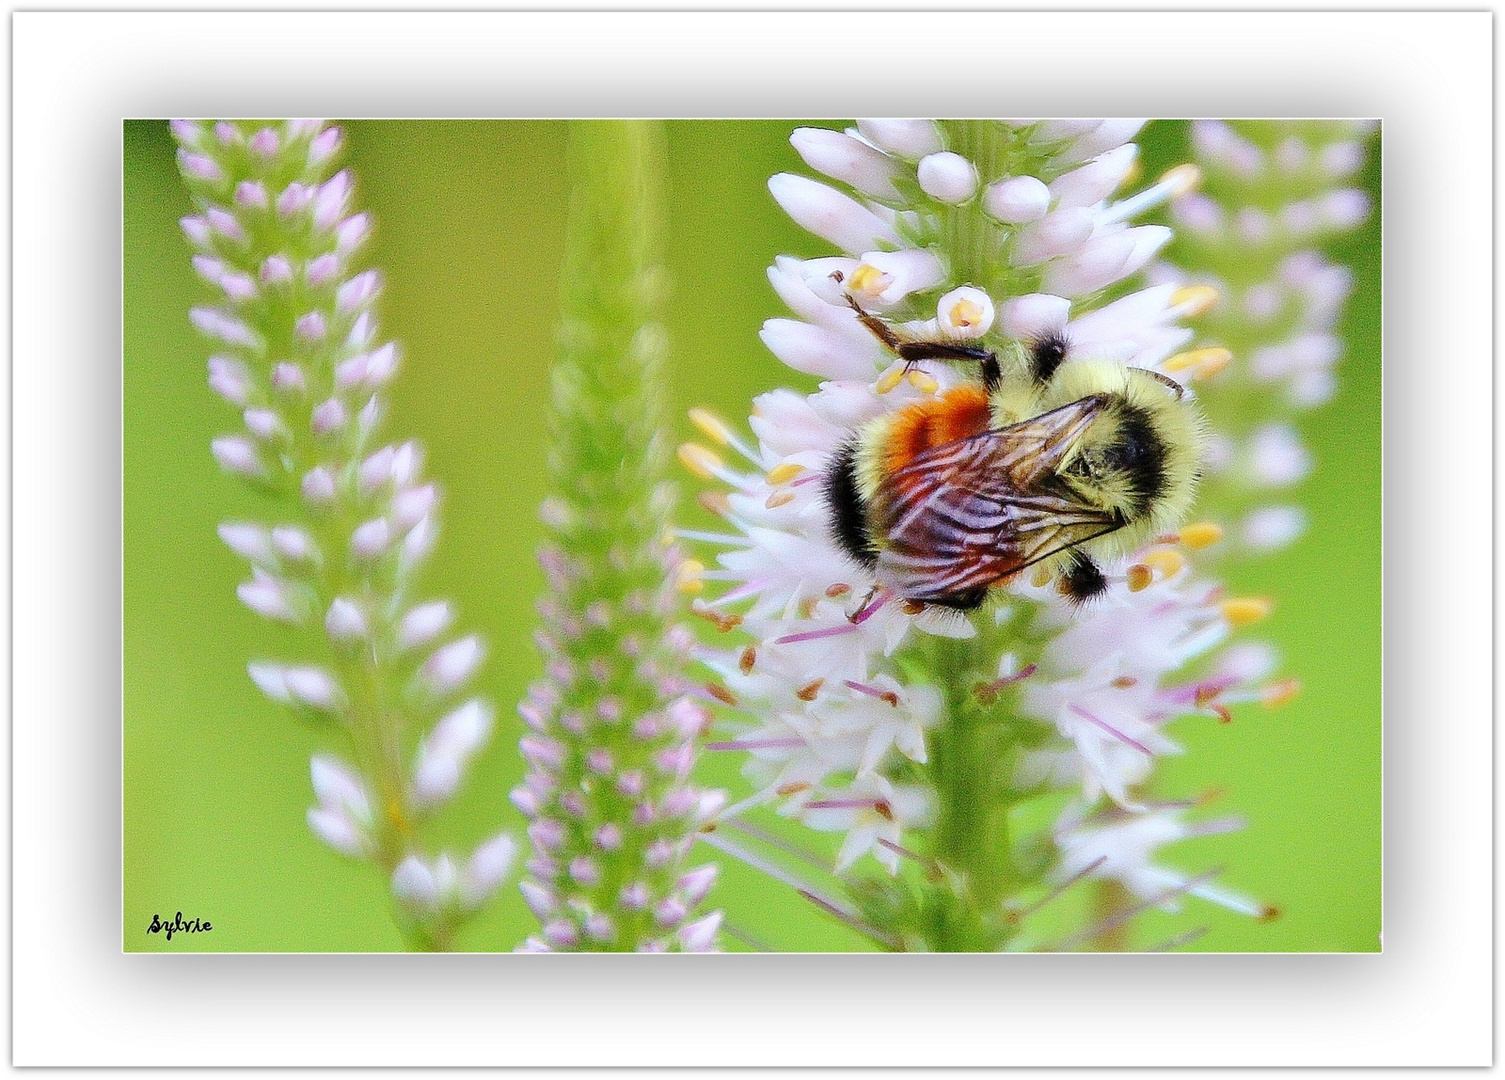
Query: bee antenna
[[1175, 387]]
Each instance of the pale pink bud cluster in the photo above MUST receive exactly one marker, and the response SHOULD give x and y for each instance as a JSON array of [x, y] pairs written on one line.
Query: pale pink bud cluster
[[602, 769]]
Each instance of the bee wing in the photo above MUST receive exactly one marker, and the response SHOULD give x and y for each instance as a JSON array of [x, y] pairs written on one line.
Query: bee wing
[[962, 516]]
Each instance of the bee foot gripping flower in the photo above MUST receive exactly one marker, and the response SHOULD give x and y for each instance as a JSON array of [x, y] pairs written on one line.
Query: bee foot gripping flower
[[953, 581]]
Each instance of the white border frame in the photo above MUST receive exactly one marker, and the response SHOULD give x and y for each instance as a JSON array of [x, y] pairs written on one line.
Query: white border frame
[[78, 1000]]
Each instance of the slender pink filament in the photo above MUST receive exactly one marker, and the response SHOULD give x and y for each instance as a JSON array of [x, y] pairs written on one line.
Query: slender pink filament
[[1111, 730], [755, 744], [811, 635], [873, 691]]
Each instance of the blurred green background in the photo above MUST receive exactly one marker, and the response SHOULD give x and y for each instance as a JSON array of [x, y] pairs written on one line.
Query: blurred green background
[[470, 223]]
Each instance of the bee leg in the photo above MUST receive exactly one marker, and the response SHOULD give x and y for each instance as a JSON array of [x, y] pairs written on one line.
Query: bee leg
[[970, 600], [1046, 354], [911, 352], [879, 329], [862, 611], [1082, 580], [991, 376]]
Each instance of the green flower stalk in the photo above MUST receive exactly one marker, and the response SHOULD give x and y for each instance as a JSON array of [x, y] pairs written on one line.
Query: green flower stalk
[[612, 740], [1275, 191], [299, 357], [987, 761]]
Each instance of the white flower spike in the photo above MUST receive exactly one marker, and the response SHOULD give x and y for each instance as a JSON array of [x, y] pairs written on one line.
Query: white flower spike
[[273, 234], [893, 722]]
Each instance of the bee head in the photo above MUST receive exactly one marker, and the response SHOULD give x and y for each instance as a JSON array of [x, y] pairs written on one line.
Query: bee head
[[1139, 459]]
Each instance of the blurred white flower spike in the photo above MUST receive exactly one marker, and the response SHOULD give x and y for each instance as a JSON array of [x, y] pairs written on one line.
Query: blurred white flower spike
[[296, 352], [1275, 191], [913, 730]]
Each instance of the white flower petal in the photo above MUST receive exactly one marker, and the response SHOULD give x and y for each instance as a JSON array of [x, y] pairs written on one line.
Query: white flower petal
[[910, 139], [849, 160], [831, 215], [814, 350]]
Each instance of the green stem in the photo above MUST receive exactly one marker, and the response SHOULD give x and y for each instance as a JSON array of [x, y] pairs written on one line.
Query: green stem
[[973, 756]]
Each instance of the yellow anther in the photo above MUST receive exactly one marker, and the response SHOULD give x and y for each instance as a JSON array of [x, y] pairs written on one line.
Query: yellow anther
[[1243, 610], [687, 576], [666, 538], [711, 426], [922, 381], [809, 690], [1041, 576], [1198, 359], [890, 379], [1182, 178], [806, 606], [1140, 577], [965, 314], [1195, 300], [398, 816], [782, 474], [1277, 694], [778, 499], [1168, 561], [746, 661], [840, 588], [1216, 361], [868, 279], [714, 502], [1201, 534], [700, 461]]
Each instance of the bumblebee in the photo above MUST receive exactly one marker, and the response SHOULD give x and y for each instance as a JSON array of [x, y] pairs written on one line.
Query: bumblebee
[[1066, 464]]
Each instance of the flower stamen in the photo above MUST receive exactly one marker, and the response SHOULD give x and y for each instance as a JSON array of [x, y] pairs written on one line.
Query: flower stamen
[[922, 381], [717, 430], [988, 692], [1173, 183], [813, 635], [1189, 301], [1241, 611], [1111, 730], [1199, 363], [891, 378], [1200, 534], [878, 692]]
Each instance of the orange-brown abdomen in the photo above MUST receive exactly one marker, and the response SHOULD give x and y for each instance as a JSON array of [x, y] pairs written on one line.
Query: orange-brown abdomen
[[956, 414]]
